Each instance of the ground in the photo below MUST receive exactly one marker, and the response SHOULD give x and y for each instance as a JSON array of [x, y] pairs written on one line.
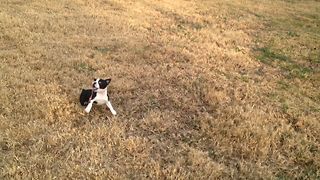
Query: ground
[[203, 89]]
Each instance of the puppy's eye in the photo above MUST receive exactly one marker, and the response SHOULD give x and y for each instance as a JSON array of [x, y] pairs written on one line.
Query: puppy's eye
[[99, 82]]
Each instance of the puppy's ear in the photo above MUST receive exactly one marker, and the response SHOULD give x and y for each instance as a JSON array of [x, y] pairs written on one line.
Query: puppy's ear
[[108, 81]]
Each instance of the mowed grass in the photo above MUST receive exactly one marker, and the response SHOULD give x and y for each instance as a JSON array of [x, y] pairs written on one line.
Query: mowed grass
[[203, 89]]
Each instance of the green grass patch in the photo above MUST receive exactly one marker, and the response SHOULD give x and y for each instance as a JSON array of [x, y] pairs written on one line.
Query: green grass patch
[[267, 56], [84, 67], [314, 56], [102, 50], [290, 68], [296, 71], [284, 107], [292, 34], [283, 85], [244, 78]]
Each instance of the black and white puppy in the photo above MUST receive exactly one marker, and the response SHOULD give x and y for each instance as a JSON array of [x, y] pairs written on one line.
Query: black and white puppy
[[98, 95]]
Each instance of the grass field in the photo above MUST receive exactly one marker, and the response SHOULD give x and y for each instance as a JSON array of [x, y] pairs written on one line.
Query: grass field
[[203, 89]]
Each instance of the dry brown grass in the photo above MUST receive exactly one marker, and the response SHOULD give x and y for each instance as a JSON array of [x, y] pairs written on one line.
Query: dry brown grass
[[203, 89]]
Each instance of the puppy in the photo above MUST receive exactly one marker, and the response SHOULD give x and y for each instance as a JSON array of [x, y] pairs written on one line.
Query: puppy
[[98, 95]]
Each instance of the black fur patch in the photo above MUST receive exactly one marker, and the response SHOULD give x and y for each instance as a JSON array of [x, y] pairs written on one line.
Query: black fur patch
[[103, 83], [85, 96]]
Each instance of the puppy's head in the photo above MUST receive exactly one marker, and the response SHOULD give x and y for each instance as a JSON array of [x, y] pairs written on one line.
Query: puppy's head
[[100, 83]]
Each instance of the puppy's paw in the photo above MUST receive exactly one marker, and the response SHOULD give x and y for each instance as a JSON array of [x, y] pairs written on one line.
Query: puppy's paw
[[114, 112], [87, 110]]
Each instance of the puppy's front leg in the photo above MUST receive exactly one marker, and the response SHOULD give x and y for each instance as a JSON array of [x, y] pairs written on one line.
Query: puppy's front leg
[[89, 106], [111, 108]]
